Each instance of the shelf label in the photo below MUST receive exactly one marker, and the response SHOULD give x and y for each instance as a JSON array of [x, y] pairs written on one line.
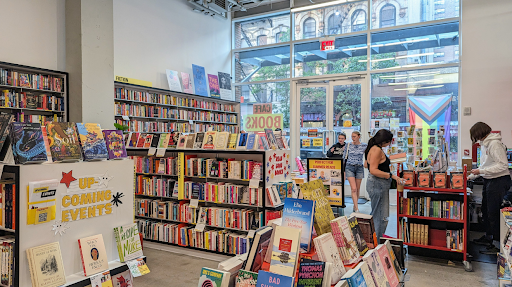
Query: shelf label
[[254, 183], [151, 151], [133, 81], [160, 152], [126, 118], [194, 203], [200, 227], [191, 122]]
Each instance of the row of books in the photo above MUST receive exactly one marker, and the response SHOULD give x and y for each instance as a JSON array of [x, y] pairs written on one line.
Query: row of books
[[136, 110], [149, 164], [29, 80], [455, 180], [46, 265], [8, 205], [222, 192], [185, 235], [155, 186], [7, 247], [421, 234], [153, 98], [61, 142], [425, 206], [23, 100], [30, 118], [166, 127], [223, 168]]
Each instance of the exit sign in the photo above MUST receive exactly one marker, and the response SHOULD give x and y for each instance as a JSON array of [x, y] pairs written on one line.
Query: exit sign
[[327, 44]]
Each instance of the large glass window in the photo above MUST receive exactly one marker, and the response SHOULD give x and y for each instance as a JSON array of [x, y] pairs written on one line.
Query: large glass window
[[359, 20], [309, 28], [388, 16], [262, 31], [262, 64], [348, 56]]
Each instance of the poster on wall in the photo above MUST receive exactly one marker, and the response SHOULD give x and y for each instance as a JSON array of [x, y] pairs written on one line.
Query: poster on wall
[[173, 80], [200, 84], [213, 82], [330, 171], [225, 86]]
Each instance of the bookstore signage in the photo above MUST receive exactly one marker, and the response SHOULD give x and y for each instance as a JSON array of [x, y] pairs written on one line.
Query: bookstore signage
[[260, 122], [331, 173]]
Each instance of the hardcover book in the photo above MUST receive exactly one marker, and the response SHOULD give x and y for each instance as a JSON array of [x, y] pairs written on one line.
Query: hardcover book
[[358, 235], [148, 140], [269, 279], [213, 278], [242, 141], [200, 84], [46, 266], [457, 180], [181, 142], [115, 145], [252, 143], [259, 246], [327, 251], [285, 251], [394, 260], [134, 137], [271, 139], [63, 141], [27, 143], [315, 190], [344, 239], [299, 213], [209, 140], [186, 81], [213, 83], [439, 179], [173, 80], [128, 242], [408, 176], [246, 279], [232, 141], [355, 277], [92, 141], [225, 86], [314, 273], [141, 140], [93, 254], [365, 222], [387, 264], [173, 139], [222, 140], [263, 141], [164, 141], [190, 143], [198, 140], [371, 258], [424, 178], [397, 245], [279, 139], [123, 279]]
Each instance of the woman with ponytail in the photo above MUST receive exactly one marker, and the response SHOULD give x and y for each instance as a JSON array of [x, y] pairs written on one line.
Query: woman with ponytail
[[379, 180]]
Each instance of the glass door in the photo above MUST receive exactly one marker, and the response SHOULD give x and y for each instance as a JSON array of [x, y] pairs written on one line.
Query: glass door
[[346, 108]]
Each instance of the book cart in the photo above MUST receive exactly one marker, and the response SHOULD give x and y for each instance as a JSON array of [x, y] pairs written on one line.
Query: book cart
[[460, 193], [31, 235], [275, 169]]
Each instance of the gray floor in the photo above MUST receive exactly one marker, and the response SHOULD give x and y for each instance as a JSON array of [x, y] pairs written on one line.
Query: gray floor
[[175, 266]]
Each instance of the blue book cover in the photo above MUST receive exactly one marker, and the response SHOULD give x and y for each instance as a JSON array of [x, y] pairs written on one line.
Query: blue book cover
[[200, 84], [242, 141], [251, 141], [269, 279], [355, 278], [299, 213]]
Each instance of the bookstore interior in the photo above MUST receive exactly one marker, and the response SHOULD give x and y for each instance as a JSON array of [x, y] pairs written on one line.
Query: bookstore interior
[[237, 143]]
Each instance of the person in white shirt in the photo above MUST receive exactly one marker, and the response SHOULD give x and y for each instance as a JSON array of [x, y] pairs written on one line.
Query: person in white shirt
[[497, 181]]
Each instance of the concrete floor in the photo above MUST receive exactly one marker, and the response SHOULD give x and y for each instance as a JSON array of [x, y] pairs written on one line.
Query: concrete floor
[[175, 266]]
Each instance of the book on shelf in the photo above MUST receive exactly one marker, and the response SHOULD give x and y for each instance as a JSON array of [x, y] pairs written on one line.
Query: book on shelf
[[327, 251], [419, 205], [141, 140], [213, 83], [5, 121], [46, 266], [365, 222], [173, 80], [30, 80], [260, 244], [273, 195], [423, 178], [63, 141], [355, 277], [163, 143], [299, 213], [128, 242], [198, 140], [7, 275], [27, 143], [181, 142], [213, 277], [397, 245], [252, 141], [242, 141], [124, 279], [394, 260], [314, 273], [271, 139], [457, 180], [92, 141], [4, 151], [389, 270], [173, 139], [372, 259], [315, 190], [439, 179], [344, 239], [155, 140], [186, 82], [358, 235], [200, 83], [285, 250], [148, 140], [279, 139], [102, 279], [93, 254], [115, 145], [191, 141], [246, 279], [263, 141], [270, 279], [209, 140]]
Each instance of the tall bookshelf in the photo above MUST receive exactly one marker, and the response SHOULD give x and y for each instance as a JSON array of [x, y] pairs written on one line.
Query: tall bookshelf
[[146, 109], [33, 94]]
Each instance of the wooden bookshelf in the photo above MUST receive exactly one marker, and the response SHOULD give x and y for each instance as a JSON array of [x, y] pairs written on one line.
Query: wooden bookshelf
[[40, 84]]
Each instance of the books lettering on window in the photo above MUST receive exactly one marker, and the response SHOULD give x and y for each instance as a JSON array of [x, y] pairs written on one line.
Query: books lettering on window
[[214, 278], [315, 190], [327, 251], [46, 266], [299, 213], [285, 251], [63, 141], [115, 145], [92, 141], [27, 143], [123, 279], [269, 279], [128, 242], [93, 254]]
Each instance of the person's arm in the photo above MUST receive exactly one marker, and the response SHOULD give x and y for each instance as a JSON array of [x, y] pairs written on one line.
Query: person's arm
[[374, 161], [499, 155], [330, 150]]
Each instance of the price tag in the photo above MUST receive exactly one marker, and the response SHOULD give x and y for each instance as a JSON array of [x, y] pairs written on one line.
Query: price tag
[[151, 151], [126, 118], [251, 233], [254, 183], [160, 152], [194, 203], [200, 227], [191, 122]]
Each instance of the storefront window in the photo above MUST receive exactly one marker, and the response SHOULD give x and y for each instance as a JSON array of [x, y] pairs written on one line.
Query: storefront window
[[262, 64], [424, 99], [262, 31]]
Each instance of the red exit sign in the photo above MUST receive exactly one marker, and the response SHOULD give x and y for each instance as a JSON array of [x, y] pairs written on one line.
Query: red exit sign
[[327, 45]]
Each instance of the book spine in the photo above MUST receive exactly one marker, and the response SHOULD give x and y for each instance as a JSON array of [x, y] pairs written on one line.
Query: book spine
[[82, 256], [119, 244]]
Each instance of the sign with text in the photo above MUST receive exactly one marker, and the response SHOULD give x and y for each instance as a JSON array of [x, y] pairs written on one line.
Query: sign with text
[[331, 173], [313, 133], [262, 108], [317, 142], [133, 81], [327, 44], [306, 142], [259, 122]]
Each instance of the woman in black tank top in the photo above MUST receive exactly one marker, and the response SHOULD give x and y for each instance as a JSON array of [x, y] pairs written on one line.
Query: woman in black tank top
[[379, 180]]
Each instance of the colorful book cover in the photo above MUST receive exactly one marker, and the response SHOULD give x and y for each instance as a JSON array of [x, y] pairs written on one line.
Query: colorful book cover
[[246, 279], [181, 142], [242, 141], [209, 140], [372, 259], [148, 140], [358, 235], [46, 145], [327, 251], [155, 140], [63, 141], [365, 270], [92, 141], [342, 235], [225, 86], [269, 279], [311, 273], [251, 141], [141, 140], [5, 120], [394, 259], [198, 140], [387, 264], [299, 213], [46, 266], [213, 82], [173, 80], [128, 242], [186, 82], [101, 280], [93, 254], [213, 278], [355, 277], [133, 140], [27, 142], [200, 83], [315, 190], [222, 140], [263, 141], [285, 250], [115, 145], [138, 267], [232, 141], [164, 141], [123, 279]]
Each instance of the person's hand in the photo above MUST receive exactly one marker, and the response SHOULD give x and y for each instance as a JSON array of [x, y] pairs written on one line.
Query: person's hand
[[475, 171], [399, 180], [332, 149]]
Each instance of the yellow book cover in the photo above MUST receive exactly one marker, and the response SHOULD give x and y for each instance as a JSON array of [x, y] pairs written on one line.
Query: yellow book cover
[[315, 190], [232, 140]]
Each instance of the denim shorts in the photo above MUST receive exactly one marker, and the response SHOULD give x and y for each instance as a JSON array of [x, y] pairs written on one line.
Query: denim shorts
[[356, 171]]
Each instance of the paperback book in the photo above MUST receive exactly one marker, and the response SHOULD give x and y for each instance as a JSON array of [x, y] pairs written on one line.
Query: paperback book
[[128, 242], [200, 83], [213, 83], [358, 235], [198, 141], [46, 266], [93, 254], [285, 250], [115, 145], [27, 143], [209, 140], [315, 190], [123, 279], [232, 141], [63, 141], [173, 80], [314, 273], [269, 279], [222, 140], [213, 278], [186, 81], [299, 213], [327, 251], [92, 141], [246, 279]]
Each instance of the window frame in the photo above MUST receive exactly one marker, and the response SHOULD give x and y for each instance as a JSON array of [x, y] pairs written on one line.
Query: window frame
[[309, 19], [360, 27], [380, 16]]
